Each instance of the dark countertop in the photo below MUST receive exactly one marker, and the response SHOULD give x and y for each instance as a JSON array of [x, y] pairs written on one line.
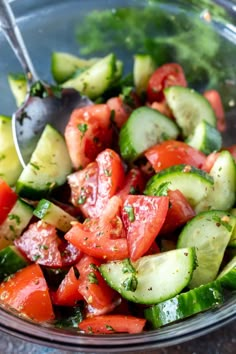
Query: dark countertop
[[221, 341]]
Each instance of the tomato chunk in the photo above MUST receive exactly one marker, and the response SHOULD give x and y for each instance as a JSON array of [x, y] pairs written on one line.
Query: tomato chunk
[[167, 75], [112, 323], [214, 98], [39, 243], [143, 217], [121, 111], [179, 212], [173, 152], [134, 183], [210, 160], [7, 199], [88, 133], [27, 292]]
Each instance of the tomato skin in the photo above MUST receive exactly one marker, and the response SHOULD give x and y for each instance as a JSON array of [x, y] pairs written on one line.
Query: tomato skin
[[147, 218], [112, 323], [210, 160], [39, 243], [121, 111], [162, 108], [214, 98], [67, 294], [7, 199], [178, 213], [70, 255], [173, 152], [27, 292], [134, 183], [167, 75], [91, 285], [88, 133]]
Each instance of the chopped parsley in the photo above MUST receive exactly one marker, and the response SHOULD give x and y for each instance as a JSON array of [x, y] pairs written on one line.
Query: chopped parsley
[[92, 278], [130, 211]]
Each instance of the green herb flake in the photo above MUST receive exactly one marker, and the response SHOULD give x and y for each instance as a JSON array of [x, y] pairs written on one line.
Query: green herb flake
[[92, 278], [36, 257], [130, 283], [14, 217], [83, 127], [134, 190], [107, 173], [82, 197], [109, 328], [130, 211]]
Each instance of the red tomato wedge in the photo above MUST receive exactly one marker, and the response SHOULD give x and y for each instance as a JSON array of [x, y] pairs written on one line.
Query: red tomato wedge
[[134, 183], [214, 98], [120, 110], [27, 292], [179, 212], [210, 160], [91, 285], [88, 133], [103, 237], [67, 294], [167, 75], [163, 108], [111, 324], [143, 217], [39, 243], [7, 199], [173, 152]]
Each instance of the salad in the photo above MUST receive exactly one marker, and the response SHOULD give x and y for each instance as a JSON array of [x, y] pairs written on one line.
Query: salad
[[127, 222]]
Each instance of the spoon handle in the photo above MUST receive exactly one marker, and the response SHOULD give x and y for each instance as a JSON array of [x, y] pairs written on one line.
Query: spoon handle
[[14, 37]]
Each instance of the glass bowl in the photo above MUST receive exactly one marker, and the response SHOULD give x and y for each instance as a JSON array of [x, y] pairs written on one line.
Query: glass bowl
[[200, 35]]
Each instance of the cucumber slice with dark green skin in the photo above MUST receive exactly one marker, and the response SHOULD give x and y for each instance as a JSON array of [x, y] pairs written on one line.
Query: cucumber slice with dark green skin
[[18, 86], [94, 81], [53, 215], [227, 276], [16, 221], [185, 305], [209, 232], [192, 182], [205, 138], [222, 194], [151, 279], [144, 128], [10, 166], [144, 66], [48, 167], [64, 65], [11, 260], [189, 108]]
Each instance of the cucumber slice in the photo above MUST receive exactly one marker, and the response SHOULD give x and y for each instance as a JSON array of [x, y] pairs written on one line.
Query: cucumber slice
[[53, 215], [10, 166], [209, 232], [185, 305], [205, 138], [144, 66], [144, 128], [189, 108], [154, 278], [11, 260], [94, 81], [192, 182], [228, 275], [18, 86], [232, 242], [18, 218], [48, 167], [64, 65], [222, 194]]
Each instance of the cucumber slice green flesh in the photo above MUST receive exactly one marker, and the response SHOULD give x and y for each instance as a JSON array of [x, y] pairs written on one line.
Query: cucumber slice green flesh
[[209, 232], [64, 65], [16, 221], [227, 276], [144, 66], [185, 305], [189, 108], [222, 194], [53, 215], [158, 277], [144, 128], [18, 86], [205, 138], [192, 182], [94, 81], [232, 242], [11, 260], [48, 167], [10, 166]]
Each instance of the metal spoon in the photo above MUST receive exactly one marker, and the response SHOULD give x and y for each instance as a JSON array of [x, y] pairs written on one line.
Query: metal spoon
[[29, 120]]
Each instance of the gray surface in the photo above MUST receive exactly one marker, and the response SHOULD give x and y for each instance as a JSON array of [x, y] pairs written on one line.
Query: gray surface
[[222, 341]]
